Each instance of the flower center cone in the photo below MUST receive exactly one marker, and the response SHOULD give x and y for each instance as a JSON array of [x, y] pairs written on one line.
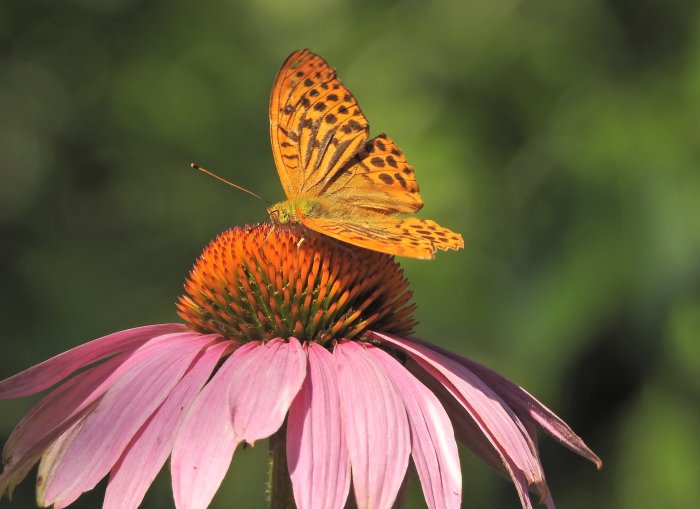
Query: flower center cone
[[268, 281]]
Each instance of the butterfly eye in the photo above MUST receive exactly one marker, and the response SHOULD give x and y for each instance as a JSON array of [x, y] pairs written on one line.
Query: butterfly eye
[[276, 216]]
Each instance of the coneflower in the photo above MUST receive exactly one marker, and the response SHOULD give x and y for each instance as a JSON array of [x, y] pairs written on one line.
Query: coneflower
[[289, 336]]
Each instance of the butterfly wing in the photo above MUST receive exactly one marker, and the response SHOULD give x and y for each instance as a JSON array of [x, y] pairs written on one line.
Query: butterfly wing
[[316, 125], [377, 178], [319, 141], [411, 237]]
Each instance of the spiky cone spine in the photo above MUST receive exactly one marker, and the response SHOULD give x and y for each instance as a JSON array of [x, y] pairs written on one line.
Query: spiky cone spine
[[267, 281]]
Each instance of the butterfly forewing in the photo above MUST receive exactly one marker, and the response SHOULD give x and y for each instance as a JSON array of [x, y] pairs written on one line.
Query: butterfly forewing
[[284, 100], [316, 125]]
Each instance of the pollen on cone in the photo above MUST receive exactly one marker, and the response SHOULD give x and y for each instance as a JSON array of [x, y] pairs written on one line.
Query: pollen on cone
[[266, 281]]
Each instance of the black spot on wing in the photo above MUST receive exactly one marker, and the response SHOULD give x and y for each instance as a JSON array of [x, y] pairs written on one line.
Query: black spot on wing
[[386, 178], [377, 161]]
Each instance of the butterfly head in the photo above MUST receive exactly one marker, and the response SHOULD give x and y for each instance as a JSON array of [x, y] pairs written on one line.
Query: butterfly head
[[283, 213]]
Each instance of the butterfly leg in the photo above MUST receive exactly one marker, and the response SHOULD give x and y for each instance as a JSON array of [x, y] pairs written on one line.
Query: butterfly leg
[[269, 232]]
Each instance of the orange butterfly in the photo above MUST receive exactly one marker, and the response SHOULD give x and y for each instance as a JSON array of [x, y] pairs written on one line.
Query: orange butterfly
[[338, 183]]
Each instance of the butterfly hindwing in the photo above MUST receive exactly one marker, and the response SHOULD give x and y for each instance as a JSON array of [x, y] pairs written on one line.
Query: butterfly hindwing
[[412, 237]]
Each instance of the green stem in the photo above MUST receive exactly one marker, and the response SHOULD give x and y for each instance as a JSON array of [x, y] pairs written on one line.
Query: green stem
[[279, 484]]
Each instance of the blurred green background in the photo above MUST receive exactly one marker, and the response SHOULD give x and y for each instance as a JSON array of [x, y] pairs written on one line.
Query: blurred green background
[[559, 137]]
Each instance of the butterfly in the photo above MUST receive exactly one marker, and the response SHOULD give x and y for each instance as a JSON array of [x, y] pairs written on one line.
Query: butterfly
[[339, 183]]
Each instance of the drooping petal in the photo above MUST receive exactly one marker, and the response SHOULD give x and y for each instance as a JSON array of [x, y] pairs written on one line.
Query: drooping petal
[[51, 371], [497, 421], [51, 456], [151, 446], [433, 445], [205, 442], [526, 404], [11, 477], [470, 434], [375, 424], [263, 390], [317, 454], [107, 430], [61, 408], [466, 430], [56, 411], [50, 418]]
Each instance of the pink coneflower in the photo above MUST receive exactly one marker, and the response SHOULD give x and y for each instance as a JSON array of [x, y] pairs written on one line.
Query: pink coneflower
[[301, 340]]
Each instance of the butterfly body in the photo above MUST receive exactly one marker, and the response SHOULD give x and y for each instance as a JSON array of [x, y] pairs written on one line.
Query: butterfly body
[[339, 183], [295, 210]]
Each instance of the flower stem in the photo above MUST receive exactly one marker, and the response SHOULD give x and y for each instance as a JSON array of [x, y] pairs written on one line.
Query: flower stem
[[279, 484]]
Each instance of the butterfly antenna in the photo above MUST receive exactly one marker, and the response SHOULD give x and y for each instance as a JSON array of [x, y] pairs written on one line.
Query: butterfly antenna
[[204, 170]]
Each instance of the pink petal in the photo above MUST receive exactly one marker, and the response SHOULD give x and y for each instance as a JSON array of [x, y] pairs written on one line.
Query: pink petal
[[526, 404], [107, 430], [12, 477], [466, 430], [469, 433], [317, 454], [51, 417], [433, 445], [44, 375], [262, 390], [497, 421], [375, 424], [204, 442], [151, 446], [53, 454], [56, 411], [247, 400]]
